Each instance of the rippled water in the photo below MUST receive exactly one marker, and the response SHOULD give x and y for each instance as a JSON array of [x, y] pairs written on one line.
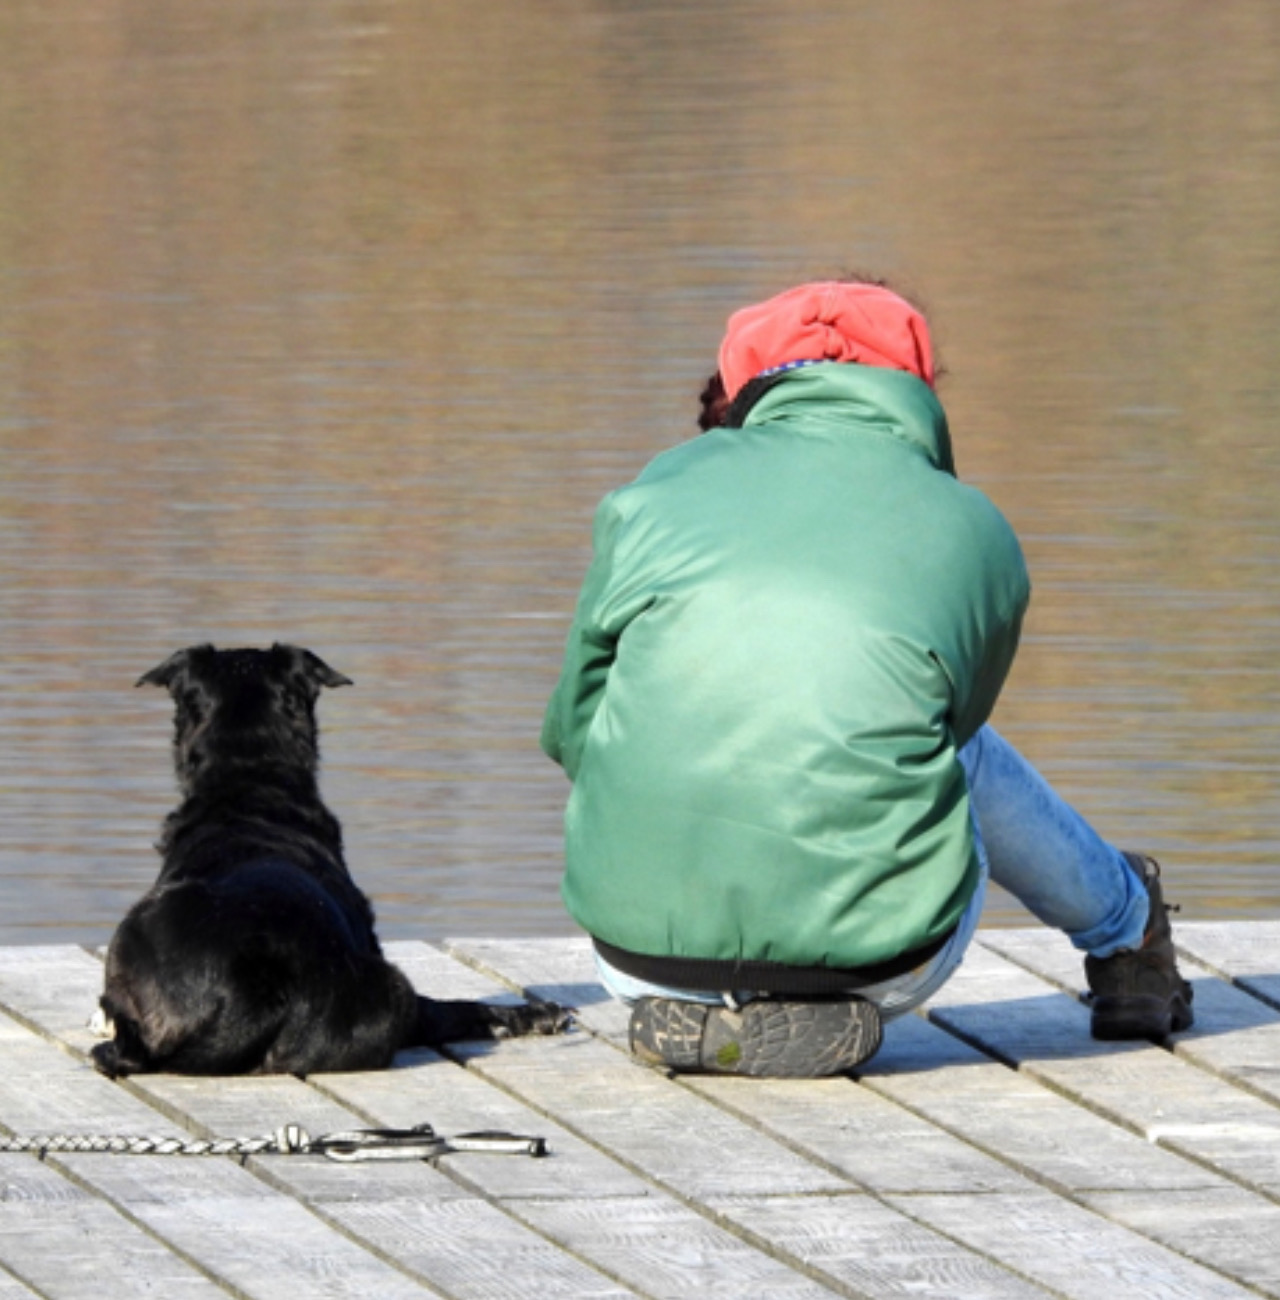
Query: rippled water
[[330, 323]]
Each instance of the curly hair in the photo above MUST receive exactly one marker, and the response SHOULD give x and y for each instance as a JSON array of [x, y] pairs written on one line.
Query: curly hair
[[715, 403]]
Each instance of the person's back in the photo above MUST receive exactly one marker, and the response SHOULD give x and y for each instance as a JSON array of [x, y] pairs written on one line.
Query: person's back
[[809, 616]]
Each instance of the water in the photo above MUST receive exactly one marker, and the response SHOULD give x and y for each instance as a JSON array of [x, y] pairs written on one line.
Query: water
[[330, 323]]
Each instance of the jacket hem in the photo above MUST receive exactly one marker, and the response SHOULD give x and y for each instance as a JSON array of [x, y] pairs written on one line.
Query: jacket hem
[[698, 973]]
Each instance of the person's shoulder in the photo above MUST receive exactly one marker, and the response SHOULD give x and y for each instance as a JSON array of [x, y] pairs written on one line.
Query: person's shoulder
[[982, 529], [671, 464], [684, 457], [668, 476], [976, 504]]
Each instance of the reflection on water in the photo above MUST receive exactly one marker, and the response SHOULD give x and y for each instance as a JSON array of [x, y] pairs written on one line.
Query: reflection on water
[[331, 323]]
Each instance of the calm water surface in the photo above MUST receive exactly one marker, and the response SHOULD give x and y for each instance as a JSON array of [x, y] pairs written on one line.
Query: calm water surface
[[331, 322]]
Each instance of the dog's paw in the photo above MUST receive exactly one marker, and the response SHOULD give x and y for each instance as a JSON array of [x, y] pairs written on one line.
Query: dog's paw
[[100, 1025], [532, 1018], [106, 1060]]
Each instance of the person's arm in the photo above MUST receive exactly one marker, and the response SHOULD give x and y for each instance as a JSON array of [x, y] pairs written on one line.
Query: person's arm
[[976, 708], [1006, 608], [588, 655]]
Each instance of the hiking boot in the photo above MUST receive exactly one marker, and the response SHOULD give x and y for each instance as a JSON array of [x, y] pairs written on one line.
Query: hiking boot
[[1139, 993], [764, 1039]]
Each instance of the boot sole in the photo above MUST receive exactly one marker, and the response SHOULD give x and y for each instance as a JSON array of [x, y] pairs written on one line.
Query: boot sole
[[774, 1040], [1120, 1019]]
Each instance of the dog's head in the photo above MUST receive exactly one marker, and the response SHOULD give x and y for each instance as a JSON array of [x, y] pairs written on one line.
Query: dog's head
[[243, 706]]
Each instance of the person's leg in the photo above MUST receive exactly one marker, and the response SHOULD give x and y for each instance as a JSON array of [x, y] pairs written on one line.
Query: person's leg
[[1047, 855], [627, 988], [1108, 902], [904, 993]]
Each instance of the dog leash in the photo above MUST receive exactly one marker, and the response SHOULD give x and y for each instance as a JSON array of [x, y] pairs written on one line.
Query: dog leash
[[419, 1143]]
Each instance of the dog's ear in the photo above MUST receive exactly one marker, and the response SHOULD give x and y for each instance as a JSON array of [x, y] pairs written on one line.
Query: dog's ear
[[313, 668], [171, 670], [321, 672]]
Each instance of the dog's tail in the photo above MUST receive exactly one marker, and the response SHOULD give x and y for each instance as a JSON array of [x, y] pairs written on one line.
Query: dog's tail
[[451, 1022]]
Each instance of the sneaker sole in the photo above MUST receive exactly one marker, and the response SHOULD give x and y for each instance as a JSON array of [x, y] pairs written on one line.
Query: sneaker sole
[[774, 1040], [665, 1031]]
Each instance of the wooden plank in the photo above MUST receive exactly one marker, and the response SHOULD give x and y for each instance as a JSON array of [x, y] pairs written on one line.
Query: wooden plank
[[536, 966], [455, 1244], [455, 1100], [216, 1214], [1236, 1034], [436, 974], [881, 1147], [627, 1224], [1243, 951], [410, 1213], [64, 1241], [942, 1172], [673, 1252], [578, 1196], [874, 1248], [554, 970], [719, 1257], [1019, 1121], [1076, 1152], [12, 1289], [594, 1084], [910, 1162], [429, 1223], [1230, 1229], [710, 1255], [862, 1138], [1074, 1252], [638, 1114], [619, 1220], [58, 985], [1020, 1018]]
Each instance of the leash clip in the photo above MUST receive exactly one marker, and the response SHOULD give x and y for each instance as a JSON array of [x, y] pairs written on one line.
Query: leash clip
[[420, 1143]]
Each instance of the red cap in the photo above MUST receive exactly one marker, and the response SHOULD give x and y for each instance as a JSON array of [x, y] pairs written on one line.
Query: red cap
[[828, 321]]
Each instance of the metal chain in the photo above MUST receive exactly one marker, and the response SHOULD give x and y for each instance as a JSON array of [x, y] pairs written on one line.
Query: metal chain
[[420, 1143]]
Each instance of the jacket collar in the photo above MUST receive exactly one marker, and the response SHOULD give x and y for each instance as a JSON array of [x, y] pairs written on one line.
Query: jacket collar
[[847, 396]]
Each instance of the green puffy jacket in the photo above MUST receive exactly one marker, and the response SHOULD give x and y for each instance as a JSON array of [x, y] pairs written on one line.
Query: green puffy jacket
[[786, 632]]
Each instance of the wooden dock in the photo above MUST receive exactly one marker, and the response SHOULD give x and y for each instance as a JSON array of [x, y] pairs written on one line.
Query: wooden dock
[[992, 1150]]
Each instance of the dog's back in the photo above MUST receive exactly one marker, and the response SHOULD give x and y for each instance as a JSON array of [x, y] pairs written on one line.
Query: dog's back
[[255, 951], [255, 971]]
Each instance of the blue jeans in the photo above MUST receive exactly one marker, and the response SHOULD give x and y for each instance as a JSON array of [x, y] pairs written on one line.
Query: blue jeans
[[1029, 842]]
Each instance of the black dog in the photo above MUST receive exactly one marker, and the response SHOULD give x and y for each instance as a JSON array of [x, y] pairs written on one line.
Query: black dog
[[255, 952]]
